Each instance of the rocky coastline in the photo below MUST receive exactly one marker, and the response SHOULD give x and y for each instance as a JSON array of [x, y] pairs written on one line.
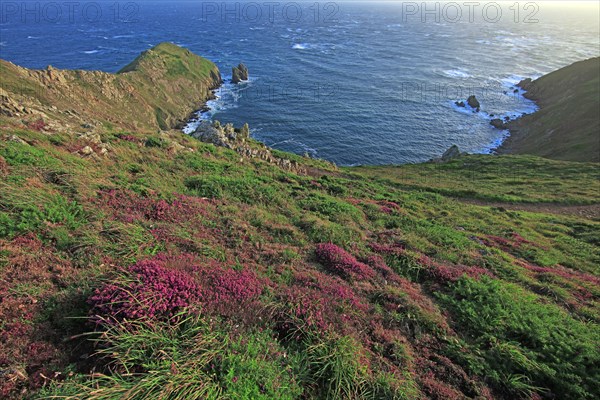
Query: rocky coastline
[[566, 125]]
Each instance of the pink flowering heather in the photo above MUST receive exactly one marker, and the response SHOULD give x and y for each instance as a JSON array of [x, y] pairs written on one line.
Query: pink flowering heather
[[228, 291], [378, 264], [388, 207], [516, 241], [444, 273], [129, 138], [129, 206], [148, 290], [562, 272], [396, 249], [301, 308], [337, 290], [339, 261], [232, 286]]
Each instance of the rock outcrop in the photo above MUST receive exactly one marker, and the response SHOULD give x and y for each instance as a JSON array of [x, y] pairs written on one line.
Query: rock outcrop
[[474, 103], [498, 123], [450, 154], [525, 84], [239, 140], [239, 74]]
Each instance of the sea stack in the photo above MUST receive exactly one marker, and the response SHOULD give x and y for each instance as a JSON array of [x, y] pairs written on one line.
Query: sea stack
[[239, 73], [473, 103]]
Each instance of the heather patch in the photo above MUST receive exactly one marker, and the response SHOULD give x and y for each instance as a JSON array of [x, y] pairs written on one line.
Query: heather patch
[[339, 261], [146, 290]]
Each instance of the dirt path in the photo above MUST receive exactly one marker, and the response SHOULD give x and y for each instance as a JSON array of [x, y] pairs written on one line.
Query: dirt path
[[583, 211]]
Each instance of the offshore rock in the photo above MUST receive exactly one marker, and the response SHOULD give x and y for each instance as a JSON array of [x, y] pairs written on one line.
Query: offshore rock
[[473, 103], [239, 73]]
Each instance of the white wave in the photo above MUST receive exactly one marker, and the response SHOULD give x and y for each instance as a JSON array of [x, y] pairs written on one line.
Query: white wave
[[301, 46], [90, 51], [497, 142], [122, 36], [33, 37], [457, 73], [226, 97], [2, 44]]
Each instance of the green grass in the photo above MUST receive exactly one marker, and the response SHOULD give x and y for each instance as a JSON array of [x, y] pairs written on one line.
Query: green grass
[[518, 333], [525, 345], [512, 179]]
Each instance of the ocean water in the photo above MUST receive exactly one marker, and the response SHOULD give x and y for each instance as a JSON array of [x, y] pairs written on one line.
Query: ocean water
[[353, 83]]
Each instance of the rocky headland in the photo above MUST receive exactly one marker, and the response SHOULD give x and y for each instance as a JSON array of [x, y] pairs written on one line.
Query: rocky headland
[[567, 124], [156, 91]]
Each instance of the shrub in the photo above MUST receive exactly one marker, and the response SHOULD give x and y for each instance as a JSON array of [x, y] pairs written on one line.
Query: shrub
[[204, 187], [56, 210], [339, 261], [228, 291], [145, 290], [24, 154], [255, 366], [317, 303], [520, 337], [153, 141]]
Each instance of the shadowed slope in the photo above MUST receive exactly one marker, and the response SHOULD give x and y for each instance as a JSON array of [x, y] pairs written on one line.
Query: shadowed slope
[[566, 126]]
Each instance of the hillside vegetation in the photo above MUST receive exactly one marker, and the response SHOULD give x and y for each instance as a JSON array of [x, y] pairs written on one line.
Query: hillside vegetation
[[166, 268], [567, 125]]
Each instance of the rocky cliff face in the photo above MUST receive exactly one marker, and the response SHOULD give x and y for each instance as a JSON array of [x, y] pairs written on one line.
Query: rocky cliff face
[[239, 140], [158, 90]]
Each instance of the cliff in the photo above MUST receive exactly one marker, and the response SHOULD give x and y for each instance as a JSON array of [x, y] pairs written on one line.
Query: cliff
[[158, 90], [567, 124]]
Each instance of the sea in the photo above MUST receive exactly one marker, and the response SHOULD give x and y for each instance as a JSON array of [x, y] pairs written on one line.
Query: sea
[[354, 83]]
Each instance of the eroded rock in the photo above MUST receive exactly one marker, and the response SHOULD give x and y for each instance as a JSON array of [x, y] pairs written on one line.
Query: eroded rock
[[239, 73]]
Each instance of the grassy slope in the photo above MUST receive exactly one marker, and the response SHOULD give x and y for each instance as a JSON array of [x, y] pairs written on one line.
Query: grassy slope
[[453, 299], [156, 91], [566, 126], [435, 297], [506, 178]]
